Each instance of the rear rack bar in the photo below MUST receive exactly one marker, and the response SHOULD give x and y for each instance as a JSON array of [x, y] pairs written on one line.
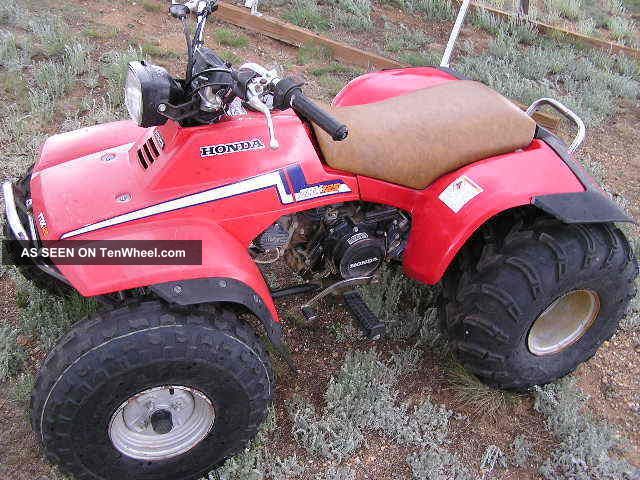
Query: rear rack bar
[[567, 113]]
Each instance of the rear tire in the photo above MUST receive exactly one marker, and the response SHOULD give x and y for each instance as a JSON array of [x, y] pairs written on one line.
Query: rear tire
[[506, 282], [108, 361]]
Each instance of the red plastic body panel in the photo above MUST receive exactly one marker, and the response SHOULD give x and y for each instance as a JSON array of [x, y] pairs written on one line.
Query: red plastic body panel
[[508, 181], [74, 187], [82, 191], [377, 86], [78, 143]]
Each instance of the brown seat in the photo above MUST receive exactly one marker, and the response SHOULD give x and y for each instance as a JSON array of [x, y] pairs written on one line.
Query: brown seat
[[415, 138]]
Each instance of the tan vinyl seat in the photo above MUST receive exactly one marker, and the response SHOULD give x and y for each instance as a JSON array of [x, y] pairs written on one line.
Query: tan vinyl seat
[[415, 138]]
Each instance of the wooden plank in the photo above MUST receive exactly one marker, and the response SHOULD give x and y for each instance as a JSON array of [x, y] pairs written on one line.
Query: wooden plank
[[550, 29], [297, 36]]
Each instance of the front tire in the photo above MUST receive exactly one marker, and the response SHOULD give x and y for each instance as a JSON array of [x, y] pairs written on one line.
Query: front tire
[[111, 393], [529, 306]]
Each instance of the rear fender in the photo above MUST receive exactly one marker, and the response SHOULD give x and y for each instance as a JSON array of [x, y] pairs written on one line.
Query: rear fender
[[227, 272], [507, 181]]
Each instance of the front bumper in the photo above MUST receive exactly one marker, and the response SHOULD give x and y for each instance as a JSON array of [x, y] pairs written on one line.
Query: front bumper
[[21, 227], [14, 222]]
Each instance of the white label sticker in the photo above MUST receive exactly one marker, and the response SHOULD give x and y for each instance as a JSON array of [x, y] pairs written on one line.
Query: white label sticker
[[459, 193]]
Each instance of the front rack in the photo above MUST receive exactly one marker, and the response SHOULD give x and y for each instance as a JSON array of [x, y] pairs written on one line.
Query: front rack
[[567, 113]]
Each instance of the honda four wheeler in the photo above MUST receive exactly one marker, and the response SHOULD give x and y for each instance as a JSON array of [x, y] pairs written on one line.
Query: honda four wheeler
[[418, 165]]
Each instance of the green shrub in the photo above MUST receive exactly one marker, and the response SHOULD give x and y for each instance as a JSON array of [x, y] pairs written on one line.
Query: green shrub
[[339, 473], [486, 21], [432, 9], [53, 77], [522, 451], [51, 35], [22, 387], [549, 68], [42, 104], [402, 39], [405, 306], [11, 354], [418, 59], [226, 36], [76, 57], [151, 6], [622, 29], [570, 9], [257, 461], [306, 13], [435, 463], [354, 15], [474, 394], [115, 67], [587, 26], [362, 397], [12, 55], [47, 317], [11, 12], [230, 57], [586, 446], [313, 53]]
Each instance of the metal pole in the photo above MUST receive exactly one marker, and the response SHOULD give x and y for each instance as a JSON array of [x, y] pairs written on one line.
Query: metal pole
[[454, 33]]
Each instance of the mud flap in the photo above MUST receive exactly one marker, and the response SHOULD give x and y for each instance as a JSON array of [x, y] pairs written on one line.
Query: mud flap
[[590, 206]]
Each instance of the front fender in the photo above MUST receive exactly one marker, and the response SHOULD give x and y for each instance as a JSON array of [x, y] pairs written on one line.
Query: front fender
[[67, 146], [223, 257]]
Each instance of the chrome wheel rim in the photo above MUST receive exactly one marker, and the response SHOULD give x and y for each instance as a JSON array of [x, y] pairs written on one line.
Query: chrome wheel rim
[[563, 322], [161, 423]]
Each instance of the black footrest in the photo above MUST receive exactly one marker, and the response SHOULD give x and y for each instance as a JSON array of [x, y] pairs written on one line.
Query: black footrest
[[371, 325]]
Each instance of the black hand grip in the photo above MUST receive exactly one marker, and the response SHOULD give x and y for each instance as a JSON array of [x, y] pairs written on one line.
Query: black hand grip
[[320, 117], [287, 93]]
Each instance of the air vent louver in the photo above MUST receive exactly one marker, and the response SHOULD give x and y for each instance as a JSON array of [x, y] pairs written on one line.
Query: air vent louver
[[148, 153]]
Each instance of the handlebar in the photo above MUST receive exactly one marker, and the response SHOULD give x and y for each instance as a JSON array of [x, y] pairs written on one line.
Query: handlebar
[[288, 94], [305, 107]]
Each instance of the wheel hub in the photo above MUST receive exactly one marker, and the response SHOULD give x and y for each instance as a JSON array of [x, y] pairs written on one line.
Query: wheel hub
[[161, 423], [563, 322]]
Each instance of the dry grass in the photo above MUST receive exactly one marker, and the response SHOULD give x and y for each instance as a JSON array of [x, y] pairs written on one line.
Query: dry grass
[[471, 394]]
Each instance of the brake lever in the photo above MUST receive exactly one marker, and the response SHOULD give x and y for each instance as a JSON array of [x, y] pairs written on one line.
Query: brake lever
[[253, 100]]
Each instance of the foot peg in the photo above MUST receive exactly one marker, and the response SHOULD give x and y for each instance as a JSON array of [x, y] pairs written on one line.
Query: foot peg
[[371, 325]]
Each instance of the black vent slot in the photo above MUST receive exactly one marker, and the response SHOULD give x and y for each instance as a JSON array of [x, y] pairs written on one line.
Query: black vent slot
[[148, 153]]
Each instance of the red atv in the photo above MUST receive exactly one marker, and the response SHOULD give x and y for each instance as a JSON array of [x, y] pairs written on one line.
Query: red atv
[[435, 171]]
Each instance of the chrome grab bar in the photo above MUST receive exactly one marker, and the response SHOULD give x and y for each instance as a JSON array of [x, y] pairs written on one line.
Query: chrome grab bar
[[567, 113], [12, 212]]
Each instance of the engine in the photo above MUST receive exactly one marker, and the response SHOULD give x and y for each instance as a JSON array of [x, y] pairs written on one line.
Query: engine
[[347, 240]]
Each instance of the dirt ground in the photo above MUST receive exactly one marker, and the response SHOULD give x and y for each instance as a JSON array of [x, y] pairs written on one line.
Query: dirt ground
[[610, 379]]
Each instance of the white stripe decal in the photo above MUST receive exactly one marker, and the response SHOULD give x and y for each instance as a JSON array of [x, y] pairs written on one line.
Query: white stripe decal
[[260, 182]]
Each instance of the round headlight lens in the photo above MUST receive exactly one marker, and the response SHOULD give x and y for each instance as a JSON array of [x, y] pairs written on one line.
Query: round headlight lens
[[133, 96]]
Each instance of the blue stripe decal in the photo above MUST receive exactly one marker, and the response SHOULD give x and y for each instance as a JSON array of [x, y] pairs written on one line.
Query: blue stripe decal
[[297, 177], [285, 182]]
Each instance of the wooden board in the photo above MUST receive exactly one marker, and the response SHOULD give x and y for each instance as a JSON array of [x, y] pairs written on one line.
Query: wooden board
[[297, 36]]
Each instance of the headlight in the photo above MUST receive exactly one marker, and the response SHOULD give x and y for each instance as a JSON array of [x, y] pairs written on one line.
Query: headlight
[[147, 86], [133, 96]]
